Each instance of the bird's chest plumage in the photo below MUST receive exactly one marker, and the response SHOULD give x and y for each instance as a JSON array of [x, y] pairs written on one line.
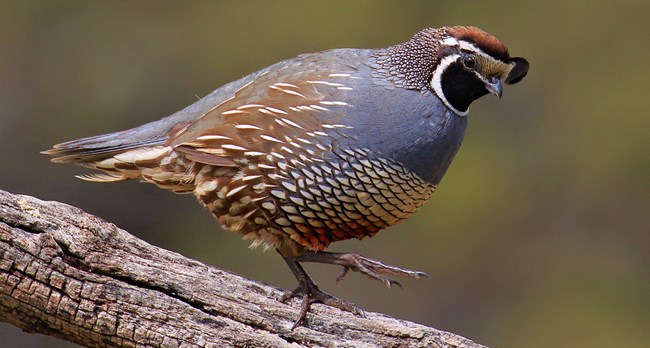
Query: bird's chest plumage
[[411, 127], [351, 194]]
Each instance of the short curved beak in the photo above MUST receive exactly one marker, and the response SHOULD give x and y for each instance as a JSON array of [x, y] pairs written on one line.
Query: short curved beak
[[494, 86]]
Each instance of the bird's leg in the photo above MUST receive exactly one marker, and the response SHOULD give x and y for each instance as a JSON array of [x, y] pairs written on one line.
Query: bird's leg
[[311, 293], [354, 262]]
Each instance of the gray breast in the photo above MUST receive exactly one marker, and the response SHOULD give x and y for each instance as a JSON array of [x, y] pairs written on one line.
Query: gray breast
[[411, 127]]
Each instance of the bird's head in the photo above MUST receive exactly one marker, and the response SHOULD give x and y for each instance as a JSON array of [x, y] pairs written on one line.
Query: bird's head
[[460, 64], [471, 63]]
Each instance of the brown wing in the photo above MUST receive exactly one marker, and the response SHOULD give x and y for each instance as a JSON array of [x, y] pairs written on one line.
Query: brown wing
[[265, 119], [266, 133]]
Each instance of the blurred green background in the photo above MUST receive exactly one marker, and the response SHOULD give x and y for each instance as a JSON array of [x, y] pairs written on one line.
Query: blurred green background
[[538, 235]]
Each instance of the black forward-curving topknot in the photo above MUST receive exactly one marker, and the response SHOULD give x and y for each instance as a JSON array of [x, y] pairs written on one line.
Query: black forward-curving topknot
[[518, 72]]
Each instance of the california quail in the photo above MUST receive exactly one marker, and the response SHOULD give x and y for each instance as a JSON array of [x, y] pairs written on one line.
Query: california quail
[[319, 148]]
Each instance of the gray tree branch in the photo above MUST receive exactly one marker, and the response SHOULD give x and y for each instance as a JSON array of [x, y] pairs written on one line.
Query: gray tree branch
[[72, 275]]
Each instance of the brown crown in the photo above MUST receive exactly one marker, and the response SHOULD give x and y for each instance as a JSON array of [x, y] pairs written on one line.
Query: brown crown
[[488, 43]]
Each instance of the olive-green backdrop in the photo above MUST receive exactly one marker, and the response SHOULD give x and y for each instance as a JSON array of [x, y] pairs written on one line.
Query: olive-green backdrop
[[539, 233]]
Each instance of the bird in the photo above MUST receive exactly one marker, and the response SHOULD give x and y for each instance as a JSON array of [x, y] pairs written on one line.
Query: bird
[[316, 149]]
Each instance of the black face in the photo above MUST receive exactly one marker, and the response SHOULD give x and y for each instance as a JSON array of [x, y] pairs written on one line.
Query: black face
[[460, 84]]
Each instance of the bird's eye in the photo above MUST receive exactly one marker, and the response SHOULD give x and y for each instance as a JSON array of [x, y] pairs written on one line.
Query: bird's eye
[[469, 62]]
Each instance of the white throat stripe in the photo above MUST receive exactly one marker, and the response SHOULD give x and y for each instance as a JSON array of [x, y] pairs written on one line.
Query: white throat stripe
[[437, 85]]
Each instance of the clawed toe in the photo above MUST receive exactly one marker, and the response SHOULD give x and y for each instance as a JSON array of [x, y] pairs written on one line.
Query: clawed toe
[[374, 269], [310, 294], [365, 264], [288, 295], [370, 273]]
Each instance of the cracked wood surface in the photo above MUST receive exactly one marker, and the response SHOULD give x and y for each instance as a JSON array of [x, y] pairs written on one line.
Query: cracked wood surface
[[72, 275]]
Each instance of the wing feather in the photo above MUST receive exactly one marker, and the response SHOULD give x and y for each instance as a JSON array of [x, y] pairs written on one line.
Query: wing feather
[[270, 116]]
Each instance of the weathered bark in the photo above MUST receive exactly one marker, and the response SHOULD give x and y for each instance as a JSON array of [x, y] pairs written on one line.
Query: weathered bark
[[72, 275]]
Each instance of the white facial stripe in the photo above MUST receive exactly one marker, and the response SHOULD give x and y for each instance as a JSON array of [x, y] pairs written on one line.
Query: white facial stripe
[[436, 82], [465, 45], [450, 41], [471, 47]]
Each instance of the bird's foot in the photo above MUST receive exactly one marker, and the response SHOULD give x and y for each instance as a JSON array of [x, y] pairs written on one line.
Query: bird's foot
[[354, 262], [310, 293]]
